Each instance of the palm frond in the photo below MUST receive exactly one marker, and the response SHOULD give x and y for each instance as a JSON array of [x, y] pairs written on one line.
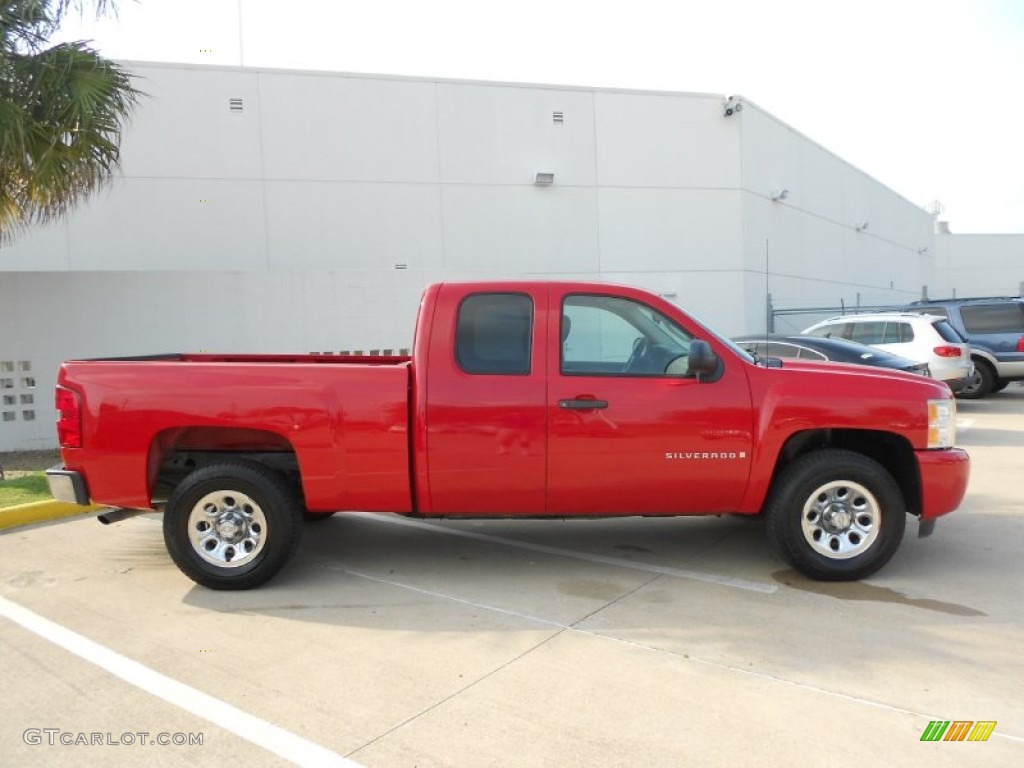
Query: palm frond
[[61, 115]]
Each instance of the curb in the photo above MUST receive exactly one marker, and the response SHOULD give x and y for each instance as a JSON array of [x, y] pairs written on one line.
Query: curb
[[41, 512]]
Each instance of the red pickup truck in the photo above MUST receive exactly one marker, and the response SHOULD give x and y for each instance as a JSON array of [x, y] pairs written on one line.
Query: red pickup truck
[[521, 399]]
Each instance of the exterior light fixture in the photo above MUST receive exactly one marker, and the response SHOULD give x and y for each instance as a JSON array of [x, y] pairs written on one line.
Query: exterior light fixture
[[732, 105], [544, 178], [862, 225], [780, 194]]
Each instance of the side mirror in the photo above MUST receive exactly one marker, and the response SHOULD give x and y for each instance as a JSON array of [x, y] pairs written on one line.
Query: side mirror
[[704, 363]]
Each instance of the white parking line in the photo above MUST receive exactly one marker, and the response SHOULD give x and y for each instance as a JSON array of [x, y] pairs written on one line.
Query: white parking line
[[662, 570], [270, 737]]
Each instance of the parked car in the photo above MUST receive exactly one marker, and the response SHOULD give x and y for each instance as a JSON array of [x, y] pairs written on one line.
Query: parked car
[[994, 326], [925, 338], [521, 399], [821, 348]]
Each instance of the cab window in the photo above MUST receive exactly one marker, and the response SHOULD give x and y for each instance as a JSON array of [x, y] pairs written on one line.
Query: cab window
[[493, 334]]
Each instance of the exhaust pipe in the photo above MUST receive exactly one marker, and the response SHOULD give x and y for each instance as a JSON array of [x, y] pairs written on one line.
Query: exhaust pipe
[[117, 515]]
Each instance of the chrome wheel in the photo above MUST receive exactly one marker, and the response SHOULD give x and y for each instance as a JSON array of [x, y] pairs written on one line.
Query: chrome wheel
[[841, 519], [227, 528]]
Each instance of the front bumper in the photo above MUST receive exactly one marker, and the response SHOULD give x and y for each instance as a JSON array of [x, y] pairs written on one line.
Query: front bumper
[[68, 486], [944, 476]]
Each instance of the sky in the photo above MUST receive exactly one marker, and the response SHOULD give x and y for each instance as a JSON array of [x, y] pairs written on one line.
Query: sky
[[926, 96]]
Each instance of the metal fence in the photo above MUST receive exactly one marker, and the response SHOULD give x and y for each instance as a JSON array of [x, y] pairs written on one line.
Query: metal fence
[[790, 320]]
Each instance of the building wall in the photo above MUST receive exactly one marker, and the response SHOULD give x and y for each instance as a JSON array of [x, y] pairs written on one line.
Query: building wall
[[806, 249], [309, 215], [978, 265]]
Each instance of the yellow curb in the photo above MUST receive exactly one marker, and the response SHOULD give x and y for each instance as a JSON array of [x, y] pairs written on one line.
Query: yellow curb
[[42, 512]]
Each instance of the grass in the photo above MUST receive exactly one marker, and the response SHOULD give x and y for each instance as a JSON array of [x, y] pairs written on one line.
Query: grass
[[24, 490]]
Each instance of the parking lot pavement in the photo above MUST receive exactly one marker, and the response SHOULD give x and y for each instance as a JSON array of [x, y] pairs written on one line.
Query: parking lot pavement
[[391, 642]]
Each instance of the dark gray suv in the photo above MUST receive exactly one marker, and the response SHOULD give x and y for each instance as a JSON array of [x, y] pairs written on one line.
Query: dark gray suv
[[994, 325]]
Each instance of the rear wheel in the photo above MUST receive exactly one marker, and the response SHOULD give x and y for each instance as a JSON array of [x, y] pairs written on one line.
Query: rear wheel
[[835, 515], [980, 382], [232, 525], [1000, 385]]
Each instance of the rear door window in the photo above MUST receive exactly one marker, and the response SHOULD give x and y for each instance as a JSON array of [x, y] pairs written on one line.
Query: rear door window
[[994, 318], [777, 349], [493, 334], [904, 333], [811, 354], [869, 332]]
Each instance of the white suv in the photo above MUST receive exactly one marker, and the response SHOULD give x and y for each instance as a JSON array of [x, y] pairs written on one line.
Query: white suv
[[925, 338]]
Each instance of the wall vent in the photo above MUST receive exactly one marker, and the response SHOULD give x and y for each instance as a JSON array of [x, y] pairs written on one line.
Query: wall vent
[[235, 105], [558, 118], [16, 394]]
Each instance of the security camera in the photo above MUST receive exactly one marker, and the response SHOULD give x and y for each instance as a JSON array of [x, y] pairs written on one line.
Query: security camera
[[732, 104]]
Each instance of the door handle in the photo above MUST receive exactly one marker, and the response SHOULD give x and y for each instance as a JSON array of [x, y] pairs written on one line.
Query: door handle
[[582, 404]]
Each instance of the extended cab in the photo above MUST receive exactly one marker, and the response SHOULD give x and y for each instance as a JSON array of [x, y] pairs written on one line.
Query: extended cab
[[521, 399]]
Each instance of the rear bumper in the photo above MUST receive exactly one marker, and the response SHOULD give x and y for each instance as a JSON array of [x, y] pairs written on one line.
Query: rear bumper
[[944, 476], [958, 385], [68, 486]]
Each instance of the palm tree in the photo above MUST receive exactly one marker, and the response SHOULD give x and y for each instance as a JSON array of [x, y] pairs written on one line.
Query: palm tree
[[61, 114]]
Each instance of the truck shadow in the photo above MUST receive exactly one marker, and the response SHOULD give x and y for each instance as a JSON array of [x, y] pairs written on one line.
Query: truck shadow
[[368, 570], [358, 570]]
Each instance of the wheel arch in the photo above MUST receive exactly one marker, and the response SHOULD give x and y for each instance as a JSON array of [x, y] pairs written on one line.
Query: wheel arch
[[175, 453], [894, 452], [983, 354]]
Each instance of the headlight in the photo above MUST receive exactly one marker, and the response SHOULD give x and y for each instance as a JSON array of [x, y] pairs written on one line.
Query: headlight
[[941, 423]]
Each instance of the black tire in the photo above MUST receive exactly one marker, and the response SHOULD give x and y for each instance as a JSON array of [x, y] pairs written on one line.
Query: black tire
[[252, 519], [1000, 385], [316, 517], [835, 515], [981, 382]]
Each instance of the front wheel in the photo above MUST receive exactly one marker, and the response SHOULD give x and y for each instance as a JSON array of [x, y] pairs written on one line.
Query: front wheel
[[232, 525], [835, 515]]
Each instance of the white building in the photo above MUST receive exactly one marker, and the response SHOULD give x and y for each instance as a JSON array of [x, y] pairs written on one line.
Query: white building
[[978, 265], [268, 210]]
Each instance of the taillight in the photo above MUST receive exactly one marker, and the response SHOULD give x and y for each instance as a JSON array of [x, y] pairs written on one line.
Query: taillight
[[69, 419], [1020, 344], [947, 351]]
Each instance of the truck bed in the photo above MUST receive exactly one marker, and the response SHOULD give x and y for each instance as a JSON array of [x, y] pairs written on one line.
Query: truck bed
[[345, 418]]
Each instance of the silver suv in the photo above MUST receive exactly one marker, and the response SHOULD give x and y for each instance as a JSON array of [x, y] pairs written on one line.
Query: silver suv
[[924, 338]]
